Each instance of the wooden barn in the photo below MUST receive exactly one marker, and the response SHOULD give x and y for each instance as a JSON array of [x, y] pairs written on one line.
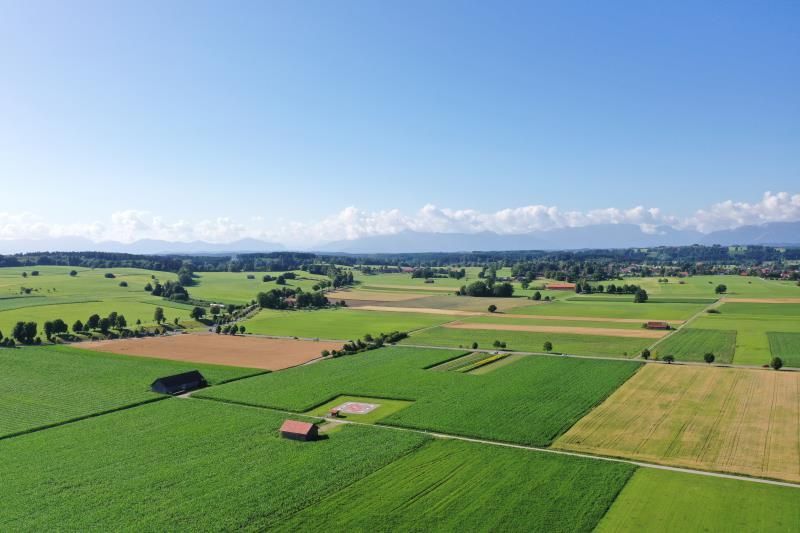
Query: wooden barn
[[292, 429], [656, 324], [179, 383], [560, 286]]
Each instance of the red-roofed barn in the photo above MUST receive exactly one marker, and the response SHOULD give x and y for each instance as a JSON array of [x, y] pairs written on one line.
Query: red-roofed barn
[[292, 429]]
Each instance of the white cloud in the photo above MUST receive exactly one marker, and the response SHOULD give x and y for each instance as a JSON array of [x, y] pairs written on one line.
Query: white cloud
[[353, 223]]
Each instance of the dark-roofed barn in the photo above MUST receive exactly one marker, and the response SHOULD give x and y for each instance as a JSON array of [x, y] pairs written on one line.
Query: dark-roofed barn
[[292, 429], [179, 383]]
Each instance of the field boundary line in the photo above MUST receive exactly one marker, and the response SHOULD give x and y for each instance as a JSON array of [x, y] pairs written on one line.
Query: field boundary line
[[82, 417], [686, 323], [438, 435]]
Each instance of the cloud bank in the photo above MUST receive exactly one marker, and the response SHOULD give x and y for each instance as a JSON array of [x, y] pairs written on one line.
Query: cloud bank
[[353, 223]]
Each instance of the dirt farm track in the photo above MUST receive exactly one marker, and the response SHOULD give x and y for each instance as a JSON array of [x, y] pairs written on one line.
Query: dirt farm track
[[245, 351]]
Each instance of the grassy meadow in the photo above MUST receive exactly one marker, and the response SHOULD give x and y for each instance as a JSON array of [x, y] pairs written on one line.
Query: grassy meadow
[[525, 341], [341, 324], [663, 501]]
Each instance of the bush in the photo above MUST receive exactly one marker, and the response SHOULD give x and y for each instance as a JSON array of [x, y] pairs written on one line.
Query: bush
[[123, 283], [474, 345], [548, 346], [709, 357], [776, 363], [669, 359], [109, 275], [713, 311], [492, 308]]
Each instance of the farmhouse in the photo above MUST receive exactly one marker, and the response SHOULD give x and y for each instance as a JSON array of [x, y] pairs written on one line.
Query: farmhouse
[[292, 429], [179, 383], [656, 324], [560, 286]]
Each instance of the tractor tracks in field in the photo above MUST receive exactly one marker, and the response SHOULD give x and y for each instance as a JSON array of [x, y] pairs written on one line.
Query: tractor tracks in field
[[541, 449]]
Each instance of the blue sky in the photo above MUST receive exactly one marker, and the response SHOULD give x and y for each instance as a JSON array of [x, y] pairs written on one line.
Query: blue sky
[[259, 114]]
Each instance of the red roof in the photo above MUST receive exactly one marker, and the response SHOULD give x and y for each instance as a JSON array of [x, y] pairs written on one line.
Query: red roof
[[293, 426], [657, 324]]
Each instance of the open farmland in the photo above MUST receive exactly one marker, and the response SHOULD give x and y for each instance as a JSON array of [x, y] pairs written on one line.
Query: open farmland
[[49, 385], [450, 486], [662, 501], [786, 346], [496, 405], [614, 309], [242, 287], [527, 341], [340, 324], [556, 329], [690, 344], [54, 293], [752, 323], [723, 419], [245, 351], [181, 464], [703, 287]]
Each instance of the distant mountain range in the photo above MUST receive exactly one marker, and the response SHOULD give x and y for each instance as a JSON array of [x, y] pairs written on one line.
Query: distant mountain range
[[599, 236], [144, 246]]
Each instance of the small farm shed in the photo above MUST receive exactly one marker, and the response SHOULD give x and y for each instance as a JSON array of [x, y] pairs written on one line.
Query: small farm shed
[[292, 429], [656, 324], [560, 286], [179, 383]]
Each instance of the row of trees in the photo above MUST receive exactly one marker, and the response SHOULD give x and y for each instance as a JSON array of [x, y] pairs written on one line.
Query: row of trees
[[486, 288], [368, 343], [285, 298]]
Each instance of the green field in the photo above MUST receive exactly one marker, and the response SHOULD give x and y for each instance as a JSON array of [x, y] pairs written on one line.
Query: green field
[[690, 344], [237, 288], [658, 500], [460, 486], [752, 322], [56, 294], [786, 346], [40, 386], [180, 465], [643, 312], [531, 342], [531, 401], [531, 320], [342, 324], [703, 287]]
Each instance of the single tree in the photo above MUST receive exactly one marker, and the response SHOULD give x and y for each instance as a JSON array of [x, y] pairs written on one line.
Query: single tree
[[158, 315], [645, 354], [721, 289], [198, 313], [548, 346], [73, 273], [93, 322], [776, 363], [492, 308], [104, 326], [474, 345], [77, 327], [537, 296], [709, 357], [48, 329], [121, 323], [669, 359], [640, 296], [241, 330]]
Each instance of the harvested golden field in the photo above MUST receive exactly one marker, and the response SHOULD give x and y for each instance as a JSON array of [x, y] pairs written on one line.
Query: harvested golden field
[[606, 332], [238, 350], [423, 310], [732, 420]]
